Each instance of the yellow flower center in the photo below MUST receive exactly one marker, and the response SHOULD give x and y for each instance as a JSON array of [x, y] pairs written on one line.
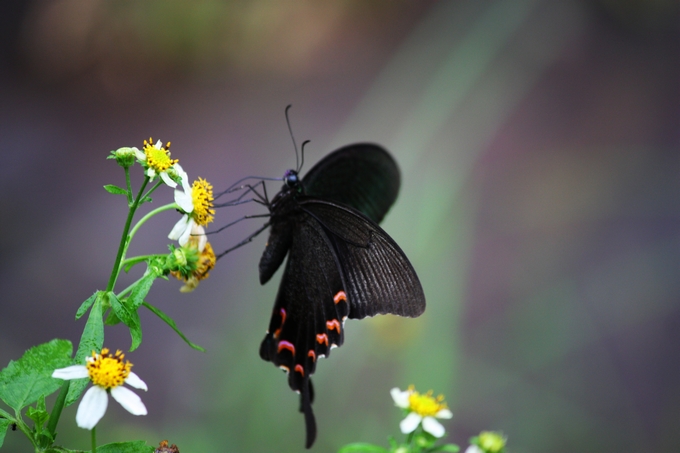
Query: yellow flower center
[[158, 158], [202, 196], [491, 442], [107, 370], [425, 405]]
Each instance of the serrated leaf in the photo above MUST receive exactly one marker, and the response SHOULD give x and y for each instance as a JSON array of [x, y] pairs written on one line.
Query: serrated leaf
[[4, 425], [87, 304], [362, 447], [140, 291], [24, 381], [92, 339], [110, 188], [129, 317], [135, 446], [169, 321]]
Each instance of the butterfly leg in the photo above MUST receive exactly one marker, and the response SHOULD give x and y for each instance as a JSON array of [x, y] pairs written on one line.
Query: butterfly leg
[[246, 240]]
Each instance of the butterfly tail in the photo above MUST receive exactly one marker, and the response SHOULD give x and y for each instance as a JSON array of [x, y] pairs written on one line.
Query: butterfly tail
[[306, 398]]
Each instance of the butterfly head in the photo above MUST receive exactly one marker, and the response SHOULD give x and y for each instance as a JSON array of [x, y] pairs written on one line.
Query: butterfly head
[[292, 180]]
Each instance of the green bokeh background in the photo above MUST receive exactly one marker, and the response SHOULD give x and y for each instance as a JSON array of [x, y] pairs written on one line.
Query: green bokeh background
[[538, 143]]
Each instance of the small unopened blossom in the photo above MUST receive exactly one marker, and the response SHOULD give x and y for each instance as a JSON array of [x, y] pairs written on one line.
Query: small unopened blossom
[[125, 156], [196, 201], [487, 442], [156, 159], [107, 372], [423, 409]]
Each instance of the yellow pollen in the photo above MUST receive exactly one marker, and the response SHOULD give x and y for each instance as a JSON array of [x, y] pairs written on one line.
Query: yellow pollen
[[107, 370], [158, 158], [202, 197], [425, 405]]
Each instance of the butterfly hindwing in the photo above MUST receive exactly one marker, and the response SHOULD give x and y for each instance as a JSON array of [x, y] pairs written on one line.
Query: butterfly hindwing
[[378, 277], [309, 312]]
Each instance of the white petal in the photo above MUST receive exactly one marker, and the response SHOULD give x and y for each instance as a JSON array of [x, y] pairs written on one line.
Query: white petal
[[473, 449], [129, 400], [400, 398], [183, 177], [159, 144], [432, 426], [184, 200], [199, 232], [71, 372], [178, 230], [92, 408], [410, 423], [134, 381], [151, 173], [184, 237], [444, 413], [139, 154], [168, 180]]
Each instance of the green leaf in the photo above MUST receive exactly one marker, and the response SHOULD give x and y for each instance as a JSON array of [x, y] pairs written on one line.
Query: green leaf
[[38, 414], [110, 188], [4, 424], [168, 320], [111, 319], [129, 317], [362, 447], [140, 290], [135, 446], [87, 304], [92, 339], [24, 381]]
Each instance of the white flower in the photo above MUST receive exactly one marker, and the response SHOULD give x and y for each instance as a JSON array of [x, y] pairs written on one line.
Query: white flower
[[473, 449], [196, 203], [108, 373], [156, 159], [423, 409]]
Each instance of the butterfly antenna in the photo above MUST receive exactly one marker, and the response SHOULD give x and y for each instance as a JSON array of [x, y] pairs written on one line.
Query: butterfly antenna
[[290, 130], [302, 152]]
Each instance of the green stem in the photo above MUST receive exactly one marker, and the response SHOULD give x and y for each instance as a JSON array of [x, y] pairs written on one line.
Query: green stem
[[94, 439], [141, 222], [56, 410], [124, 240], [129, 186]]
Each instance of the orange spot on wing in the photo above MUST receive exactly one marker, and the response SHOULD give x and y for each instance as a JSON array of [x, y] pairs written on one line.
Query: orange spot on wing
[[322, 338], [334, 324], [312, 354], [286, 345], [299, 369], [340, 297]]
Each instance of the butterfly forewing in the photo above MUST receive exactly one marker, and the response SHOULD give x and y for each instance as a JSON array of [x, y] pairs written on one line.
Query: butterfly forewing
[[363, 176]]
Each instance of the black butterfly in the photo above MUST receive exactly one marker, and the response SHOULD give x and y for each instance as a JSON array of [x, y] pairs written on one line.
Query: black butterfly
[[340, 262]]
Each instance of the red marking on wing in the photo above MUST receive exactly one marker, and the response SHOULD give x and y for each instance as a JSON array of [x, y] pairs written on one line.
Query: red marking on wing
[[340, 297], [322, 338], [334, 324], [282, 312], [312, 354], [299, 369], [286, 345]]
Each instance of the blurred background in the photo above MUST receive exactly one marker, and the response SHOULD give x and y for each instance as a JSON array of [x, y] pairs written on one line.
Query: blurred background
[[538, 143]]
